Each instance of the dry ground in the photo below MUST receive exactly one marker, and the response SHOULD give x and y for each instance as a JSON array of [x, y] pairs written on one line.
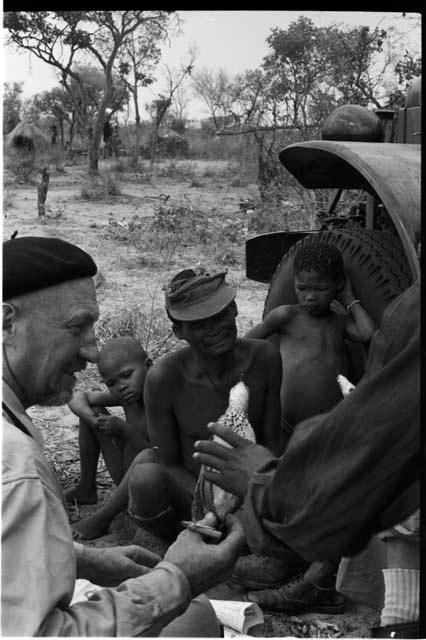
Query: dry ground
[[130, 297]]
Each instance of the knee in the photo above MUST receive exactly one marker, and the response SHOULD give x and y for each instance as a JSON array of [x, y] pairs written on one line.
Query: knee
[[147, 455], [148, 488]]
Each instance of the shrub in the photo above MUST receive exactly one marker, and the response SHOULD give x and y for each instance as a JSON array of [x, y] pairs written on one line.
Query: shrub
[[100, 188], [22, 165]]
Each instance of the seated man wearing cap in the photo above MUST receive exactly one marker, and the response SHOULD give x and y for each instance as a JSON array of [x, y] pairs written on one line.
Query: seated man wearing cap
[[49, 310], [185, 391]]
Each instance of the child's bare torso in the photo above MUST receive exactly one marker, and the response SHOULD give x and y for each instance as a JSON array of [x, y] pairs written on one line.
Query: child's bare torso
[[313, 354]]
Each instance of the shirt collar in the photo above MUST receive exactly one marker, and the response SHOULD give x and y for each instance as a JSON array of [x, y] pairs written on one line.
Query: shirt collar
[[12, 401]]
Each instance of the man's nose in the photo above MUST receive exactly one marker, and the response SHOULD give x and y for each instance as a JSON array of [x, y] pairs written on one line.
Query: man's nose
[[89, 351]]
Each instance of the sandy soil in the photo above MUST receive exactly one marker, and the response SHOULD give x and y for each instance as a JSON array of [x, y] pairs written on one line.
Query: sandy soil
[[128, 279]]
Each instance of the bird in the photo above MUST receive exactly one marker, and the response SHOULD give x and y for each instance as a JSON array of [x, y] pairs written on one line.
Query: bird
[[346, 387], [208, 496]]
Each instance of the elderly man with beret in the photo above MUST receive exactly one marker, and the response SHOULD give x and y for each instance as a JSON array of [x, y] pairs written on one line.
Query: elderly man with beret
[[49, 310]]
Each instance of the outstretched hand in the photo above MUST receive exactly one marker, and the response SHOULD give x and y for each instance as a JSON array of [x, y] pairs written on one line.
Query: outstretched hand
[[233, 467], [206, 565], [109, 567]]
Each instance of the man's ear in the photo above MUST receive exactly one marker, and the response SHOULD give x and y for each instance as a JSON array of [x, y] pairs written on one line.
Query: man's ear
[[9, 318], [177, 330]]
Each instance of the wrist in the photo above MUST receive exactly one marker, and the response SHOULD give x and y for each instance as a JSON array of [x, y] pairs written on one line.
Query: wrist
[[351, 304]]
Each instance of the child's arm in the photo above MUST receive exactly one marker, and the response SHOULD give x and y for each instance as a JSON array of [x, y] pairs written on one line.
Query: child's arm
[[273, 323], [359, 326], [82, 403], [117, 427]]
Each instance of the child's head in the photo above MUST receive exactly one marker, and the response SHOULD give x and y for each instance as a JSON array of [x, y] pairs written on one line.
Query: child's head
[[123, 365], [318, 275]]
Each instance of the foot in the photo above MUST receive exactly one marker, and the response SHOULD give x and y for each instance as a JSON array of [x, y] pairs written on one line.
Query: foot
[[311, 592], [81, 495], [90, 528]]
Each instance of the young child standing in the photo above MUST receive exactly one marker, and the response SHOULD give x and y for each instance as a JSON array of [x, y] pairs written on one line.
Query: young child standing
[[312, 335], [123, 366]]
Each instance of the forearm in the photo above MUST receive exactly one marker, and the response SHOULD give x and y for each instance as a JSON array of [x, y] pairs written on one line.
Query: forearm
[[79, 405], [138, 607], [363, 323]]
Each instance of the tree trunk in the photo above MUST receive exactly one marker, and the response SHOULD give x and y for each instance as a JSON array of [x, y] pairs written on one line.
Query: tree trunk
[[137, 144], [153, 154], [42, 189]]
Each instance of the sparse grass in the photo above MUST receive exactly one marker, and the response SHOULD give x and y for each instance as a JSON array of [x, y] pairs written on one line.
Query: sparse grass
[[8, 198], [150, 327], [175, 170], [238, 181], [196, 183], [100, 187]]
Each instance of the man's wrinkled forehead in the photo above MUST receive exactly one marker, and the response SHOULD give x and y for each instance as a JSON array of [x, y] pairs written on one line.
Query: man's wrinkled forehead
[[68, 301]]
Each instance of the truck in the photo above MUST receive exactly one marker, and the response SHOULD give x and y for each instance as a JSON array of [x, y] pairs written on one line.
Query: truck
[[375, 155]]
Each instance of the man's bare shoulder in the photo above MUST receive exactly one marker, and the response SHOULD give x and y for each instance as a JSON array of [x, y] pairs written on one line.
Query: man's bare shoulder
[[169, 368]]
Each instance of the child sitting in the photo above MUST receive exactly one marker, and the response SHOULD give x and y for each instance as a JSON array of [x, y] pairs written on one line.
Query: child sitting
[[312, 335], [123, 366]]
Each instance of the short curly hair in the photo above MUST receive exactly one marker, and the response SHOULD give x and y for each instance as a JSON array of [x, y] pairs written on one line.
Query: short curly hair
[[321, 257]]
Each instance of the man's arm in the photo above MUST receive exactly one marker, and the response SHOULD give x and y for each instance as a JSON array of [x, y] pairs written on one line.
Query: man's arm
[[163, 429], [39, 563], [273, 323]]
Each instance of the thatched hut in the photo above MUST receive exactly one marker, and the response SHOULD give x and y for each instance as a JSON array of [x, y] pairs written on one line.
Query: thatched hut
[[28, 137]]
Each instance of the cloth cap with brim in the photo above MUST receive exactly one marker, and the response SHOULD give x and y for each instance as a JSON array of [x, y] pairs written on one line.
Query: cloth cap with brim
[[32, 263], [196, 296]]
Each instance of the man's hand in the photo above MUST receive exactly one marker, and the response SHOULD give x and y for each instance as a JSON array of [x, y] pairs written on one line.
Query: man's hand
[[111, 425], [206, 565], [235, 466], [109, 567]]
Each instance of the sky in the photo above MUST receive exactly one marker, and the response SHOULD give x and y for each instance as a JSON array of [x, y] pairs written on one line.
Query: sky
[[231, 40]]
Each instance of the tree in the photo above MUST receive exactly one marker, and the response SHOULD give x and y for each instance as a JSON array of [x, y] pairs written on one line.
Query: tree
[[307, 72], [64, 38], [136, 66], [12, 105], [159, 107], [217, 90]]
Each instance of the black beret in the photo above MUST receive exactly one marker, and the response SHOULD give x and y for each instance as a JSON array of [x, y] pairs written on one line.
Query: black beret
[[32, 263]]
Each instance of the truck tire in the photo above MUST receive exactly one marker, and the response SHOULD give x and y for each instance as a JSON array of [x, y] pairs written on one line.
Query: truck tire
[[374, 261], [376, 265]]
